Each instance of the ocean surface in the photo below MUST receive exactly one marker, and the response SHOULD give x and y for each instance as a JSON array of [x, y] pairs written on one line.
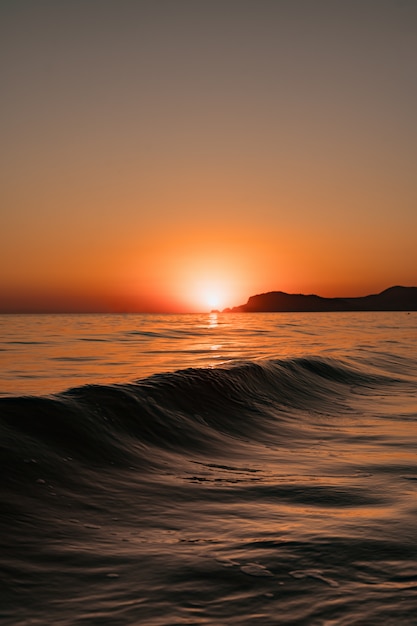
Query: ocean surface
[[222, 469]]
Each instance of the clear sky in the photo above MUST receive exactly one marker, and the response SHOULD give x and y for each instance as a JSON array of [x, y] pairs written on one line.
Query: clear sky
[[174, 155]]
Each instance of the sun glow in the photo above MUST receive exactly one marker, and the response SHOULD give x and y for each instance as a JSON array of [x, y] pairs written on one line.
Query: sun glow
[[213, 300], [202, 275], [210, 297], [210, 290]]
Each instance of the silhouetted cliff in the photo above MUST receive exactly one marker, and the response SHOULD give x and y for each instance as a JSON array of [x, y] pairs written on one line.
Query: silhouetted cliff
[[392, 299]]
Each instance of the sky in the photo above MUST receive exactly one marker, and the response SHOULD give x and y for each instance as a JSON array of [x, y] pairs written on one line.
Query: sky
[[183, 155]]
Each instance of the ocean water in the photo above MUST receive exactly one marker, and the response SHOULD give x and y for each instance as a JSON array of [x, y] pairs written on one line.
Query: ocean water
[[241, 469]]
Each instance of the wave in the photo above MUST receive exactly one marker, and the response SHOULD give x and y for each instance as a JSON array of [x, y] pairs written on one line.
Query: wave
[[261, 485], [192, 410]]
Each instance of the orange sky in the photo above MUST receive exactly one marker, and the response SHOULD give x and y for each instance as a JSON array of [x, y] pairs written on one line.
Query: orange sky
[[166, 156]]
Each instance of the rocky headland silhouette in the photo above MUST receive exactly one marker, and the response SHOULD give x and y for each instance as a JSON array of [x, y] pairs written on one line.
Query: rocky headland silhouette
[[391, 299]]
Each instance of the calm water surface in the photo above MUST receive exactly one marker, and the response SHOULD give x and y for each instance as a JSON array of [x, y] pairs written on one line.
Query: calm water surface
[[208, 469]]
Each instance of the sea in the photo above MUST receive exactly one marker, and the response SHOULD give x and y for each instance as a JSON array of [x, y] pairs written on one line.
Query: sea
[[215, 469]]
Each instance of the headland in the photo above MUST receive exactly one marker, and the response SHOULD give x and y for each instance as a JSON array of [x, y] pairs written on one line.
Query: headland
[[391, 299]]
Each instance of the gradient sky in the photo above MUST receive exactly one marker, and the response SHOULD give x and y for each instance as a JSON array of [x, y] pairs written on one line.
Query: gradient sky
[[174, 155]]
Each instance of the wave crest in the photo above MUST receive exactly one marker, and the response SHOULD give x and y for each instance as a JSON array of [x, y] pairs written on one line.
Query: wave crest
[[189, 411]]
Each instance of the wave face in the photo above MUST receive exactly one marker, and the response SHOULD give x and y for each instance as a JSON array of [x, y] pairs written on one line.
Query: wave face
[[280, 491]]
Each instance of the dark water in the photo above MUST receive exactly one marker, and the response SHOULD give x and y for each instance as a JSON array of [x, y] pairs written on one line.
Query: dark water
[[271, 491]]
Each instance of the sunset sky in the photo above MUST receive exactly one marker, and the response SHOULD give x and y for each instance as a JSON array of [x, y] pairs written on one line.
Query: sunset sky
[[182, 155]]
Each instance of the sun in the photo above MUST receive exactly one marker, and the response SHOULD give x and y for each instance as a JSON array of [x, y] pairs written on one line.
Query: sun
[[208, 282], [213, 300], [209, 297]]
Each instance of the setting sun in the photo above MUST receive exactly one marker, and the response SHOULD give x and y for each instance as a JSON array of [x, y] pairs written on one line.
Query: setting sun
[[200, 276], [210, 297], [213, 300]]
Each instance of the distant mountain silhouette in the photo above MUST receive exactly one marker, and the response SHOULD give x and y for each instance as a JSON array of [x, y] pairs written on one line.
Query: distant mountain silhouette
[[392, 299]]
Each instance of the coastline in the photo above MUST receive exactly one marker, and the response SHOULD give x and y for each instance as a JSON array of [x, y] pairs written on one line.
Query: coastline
[[396, 298]]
